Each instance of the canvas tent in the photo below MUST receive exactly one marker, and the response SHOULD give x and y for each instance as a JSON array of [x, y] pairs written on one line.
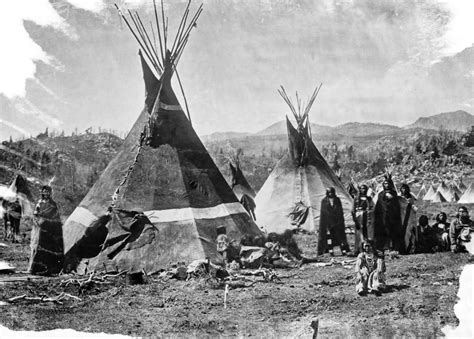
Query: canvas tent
[[468, 195], [160, 200], [291, 196]]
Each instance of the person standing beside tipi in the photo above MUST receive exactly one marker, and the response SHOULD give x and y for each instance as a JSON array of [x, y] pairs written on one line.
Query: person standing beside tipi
[[363, 215], [47, 249], [332, 227]]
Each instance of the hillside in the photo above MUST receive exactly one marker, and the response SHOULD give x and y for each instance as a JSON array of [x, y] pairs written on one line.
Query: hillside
[[459, 120], [279, 128], [224, 136], [70, 163], [359, 129]]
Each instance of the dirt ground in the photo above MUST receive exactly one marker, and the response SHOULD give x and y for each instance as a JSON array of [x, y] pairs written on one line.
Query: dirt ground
[[419, 302]]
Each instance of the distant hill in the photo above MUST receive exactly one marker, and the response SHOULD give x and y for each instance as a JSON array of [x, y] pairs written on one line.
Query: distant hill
[[360, 129], [459, 121], [279, 128], [350, 128], [216, 136]]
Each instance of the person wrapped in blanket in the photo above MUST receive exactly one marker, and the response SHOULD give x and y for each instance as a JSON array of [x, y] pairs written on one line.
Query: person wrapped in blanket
[[229, 249], [460, 230], [442, 231], [370, 270], [47, 252]]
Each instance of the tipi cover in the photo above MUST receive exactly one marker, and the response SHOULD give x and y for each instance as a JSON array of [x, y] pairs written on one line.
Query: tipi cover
[[291, 196], [161, 199], [242, 189], [468, 196]]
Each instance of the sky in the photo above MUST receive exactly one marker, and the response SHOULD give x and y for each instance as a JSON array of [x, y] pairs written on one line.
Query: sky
[[72, 64]]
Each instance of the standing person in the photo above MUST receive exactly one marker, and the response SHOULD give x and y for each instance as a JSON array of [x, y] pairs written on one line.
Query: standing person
[[331, 224], [408, 216], [46, 236], [12, 217], [387, 226], [370, 270], [460, 230], [441, 228], [362, 213]]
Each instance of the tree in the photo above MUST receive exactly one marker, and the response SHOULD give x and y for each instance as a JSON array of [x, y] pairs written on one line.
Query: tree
[[350, 152], [451, 148]]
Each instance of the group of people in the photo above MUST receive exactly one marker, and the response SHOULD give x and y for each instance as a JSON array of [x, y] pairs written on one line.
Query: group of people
[[46, 235], [391, 222], [388, 222]]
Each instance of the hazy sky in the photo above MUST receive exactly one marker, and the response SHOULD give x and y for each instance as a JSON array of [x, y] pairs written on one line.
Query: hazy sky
[[74, 64]]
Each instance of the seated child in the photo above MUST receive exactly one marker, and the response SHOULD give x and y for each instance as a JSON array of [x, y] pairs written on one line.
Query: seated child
[[370, 270]]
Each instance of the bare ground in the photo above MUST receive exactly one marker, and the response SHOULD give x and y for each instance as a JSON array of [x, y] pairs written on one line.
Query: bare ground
[[420, 300]]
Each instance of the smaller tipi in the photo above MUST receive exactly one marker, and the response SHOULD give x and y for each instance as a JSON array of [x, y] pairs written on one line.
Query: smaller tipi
[[291, 196], [468, 196], [438, 197], [429, 194], [443, 189], [19, 190], [422, 192]]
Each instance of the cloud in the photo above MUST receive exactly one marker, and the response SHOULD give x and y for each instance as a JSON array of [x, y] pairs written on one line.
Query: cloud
[[15, 127], [459, 29], [29, 110], [88, 5], [20, 52]]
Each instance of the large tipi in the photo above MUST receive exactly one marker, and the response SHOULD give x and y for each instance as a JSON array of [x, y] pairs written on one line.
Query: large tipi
[[291, 196], [161, 199]]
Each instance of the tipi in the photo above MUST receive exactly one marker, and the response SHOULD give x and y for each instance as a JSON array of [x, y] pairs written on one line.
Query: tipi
[[455, 190], [438, 197], [422, 192], [430, 194], [242, 189], [19, 190], [161, 199], [468, 195], [444, 190], [291, 196]]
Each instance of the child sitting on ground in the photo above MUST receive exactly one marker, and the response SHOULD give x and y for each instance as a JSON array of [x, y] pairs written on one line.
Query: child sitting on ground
[[370, 270], [228, 249]]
